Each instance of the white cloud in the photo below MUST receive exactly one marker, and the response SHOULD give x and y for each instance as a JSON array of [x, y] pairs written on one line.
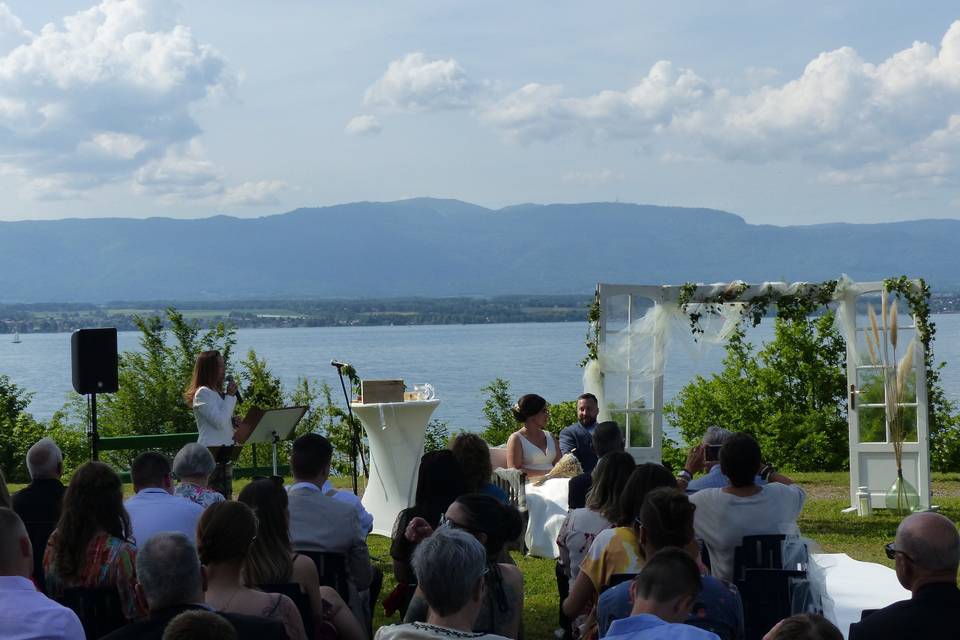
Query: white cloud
[[253, 194], [541, 113], [891, 123], [183, 175], [593, 178], [365, 125], [413, 83], [105, 97], [12, 31]]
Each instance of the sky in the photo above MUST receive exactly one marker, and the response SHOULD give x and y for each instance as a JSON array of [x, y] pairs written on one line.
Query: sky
[[782, 112]]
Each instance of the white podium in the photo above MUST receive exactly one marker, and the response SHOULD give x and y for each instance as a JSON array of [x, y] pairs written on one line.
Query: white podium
[[396, 432]]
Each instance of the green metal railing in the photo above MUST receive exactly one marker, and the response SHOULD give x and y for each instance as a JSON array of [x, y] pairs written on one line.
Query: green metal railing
[[170, 441]]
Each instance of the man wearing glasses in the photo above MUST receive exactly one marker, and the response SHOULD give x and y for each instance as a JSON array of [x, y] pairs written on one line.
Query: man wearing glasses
[[927, 555]]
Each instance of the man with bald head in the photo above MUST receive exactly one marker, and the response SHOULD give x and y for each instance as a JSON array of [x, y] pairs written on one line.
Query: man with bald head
[[24, 611], [38, 504], [927, 555]]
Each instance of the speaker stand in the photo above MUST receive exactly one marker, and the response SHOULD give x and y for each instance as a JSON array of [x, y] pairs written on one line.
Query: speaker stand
[[93, 434]]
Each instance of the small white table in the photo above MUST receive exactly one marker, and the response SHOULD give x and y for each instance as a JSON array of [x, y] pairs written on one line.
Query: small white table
[[396, 433]]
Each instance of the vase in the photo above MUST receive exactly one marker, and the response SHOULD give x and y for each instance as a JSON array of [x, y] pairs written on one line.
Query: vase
[[902, 498]]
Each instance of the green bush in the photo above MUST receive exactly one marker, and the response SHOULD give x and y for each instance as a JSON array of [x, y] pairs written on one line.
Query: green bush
[[790, 395]]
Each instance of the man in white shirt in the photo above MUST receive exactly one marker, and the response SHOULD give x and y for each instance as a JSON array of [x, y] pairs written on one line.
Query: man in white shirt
[[349, 497], [25, 613], [725, 515], [155, 508]]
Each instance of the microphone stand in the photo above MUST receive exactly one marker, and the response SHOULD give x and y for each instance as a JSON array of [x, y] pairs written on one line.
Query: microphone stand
[[354, 436]]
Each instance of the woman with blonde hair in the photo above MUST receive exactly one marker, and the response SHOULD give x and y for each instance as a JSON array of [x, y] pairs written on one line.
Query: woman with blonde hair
[[213, 410]]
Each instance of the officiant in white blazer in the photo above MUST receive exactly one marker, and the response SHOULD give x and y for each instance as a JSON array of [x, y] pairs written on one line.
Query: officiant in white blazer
[[213, 408]]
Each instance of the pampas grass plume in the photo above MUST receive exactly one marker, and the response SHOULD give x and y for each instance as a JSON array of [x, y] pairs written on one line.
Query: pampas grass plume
[[893, 324]]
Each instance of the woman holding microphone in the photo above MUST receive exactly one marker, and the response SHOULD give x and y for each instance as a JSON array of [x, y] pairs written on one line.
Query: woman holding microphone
[[213, 409]]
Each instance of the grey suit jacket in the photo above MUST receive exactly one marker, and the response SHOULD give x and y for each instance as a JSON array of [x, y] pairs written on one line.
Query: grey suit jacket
[[321, 523]]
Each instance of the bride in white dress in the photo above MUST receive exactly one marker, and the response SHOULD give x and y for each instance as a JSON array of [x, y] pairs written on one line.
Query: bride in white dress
[[531, 448]]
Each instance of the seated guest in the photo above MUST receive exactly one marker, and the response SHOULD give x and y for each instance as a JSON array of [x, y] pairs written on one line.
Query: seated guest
[[193, 465], [493, 524], [602, 511], [473, 454], [706, 458], [199, 625], [663, 596], [532, 448], [38, 504], [578, 437], [667, 518], [171, 581], [319, 522], [450, 567], [607, 437], [225, 534], [155, 508], [272, 561], [440, 481], [91, 546], [614, 551], [926, 551], [724, 516], [804, 626], [349, 497], [24, 611]]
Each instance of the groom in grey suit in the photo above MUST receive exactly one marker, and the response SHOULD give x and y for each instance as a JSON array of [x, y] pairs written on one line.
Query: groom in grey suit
[[320, 522]]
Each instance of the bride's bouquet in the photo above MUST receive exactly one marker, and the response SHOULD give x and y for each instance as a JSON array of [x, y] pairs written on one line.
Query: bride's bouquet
[[567, 467]]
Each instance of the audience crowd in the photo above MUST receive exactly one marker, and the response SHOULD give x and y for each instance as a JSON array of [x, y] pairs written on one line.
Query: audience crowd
[[644, 553]]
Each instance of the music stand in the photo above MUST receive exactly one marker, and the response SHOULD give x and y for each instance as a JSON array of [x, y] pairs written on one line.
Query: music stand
[[273, 426]]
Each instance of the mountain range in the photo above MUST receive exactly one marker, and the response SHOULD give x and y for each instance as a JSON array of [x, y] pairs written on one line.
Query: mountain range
[[433, 247]]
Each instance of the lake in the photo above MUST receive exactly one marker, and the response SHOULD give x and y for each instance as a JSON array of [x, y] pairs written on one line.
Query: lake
[[457, 359]]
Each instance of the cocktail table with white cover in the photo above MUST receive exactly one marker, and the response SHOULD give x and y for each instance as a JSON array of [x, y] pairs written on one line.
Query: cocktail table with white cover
[[396, 433]]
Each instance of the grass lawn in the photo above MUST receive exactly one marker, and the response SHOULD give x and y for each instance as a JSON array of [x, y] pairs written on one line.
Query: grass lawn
[[821, 520]]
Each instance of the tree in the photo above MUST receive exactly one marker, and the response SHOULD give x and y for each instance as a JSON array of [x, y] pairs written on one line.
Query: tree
[[790, 395], [497, 409], [149, 399]]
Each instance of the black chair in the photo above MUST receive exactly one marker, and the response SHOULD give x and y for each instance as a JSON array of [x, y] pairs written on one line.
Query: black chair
[[99, 609], [332, 568], [767, 598], [758, 552], [563, 589], [292, 590], [39, 532], [616, 579]]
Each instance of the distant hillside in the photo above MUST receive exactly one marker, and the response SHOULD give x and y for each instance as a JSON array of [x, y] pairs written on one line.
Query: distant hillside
[[429, 247]]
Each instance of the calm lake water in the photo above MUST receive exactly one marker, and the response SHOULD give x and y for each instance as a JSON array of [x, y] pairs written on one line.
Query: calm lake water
[[457, 359]]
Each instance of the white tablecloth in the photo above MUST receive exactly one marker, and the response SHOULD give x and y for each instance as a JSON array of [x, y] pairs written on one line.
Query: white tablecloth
[[852, 586], [547, 506]]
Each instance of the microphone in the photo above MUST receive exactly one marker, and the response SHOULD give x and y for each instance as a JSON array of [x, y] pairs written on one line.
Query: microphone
[[229, 380], [338, 364]]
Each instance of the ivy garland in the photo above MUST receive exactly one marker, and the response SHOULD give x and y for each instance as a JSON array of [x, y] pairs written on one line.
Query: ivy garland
[[793, 307], [593, 330]]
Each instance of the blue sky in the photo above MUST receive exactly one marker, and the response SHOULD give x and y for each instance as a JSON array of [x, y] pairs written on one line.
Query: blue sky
[[782, 112]]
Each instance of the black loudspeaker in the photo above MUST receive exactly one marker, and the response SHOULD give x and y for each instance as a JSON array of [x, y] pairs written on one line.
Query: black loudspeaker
[[94, 353]]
